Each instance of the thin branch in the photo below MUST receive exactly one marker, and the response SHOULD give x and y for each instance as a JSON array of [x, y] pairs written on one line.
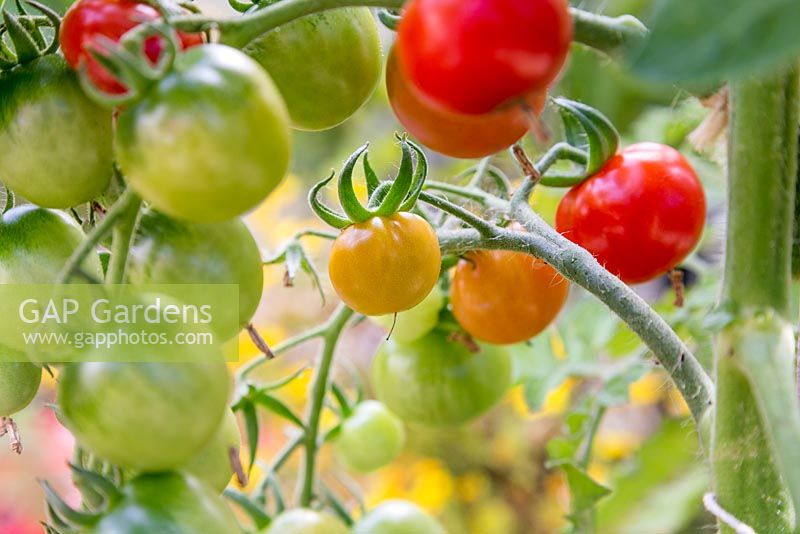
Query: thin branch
[[251, 365], [713, 507], [484, 227]]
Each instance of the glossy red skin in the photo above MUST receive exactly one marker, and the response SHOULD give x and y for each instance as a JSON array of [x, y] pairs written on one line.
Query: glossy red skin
[[454, 134], [86, 20], [475, 55], [640, 215]]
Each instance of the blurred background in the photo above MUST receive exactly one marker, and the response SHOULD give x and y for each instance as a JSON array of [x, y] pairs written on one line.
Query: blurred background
[[490, 476]]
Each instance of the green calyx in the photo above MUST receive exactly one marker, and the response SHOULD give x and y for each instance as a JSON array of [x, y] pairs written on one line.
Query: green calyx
[[128, 63], [591, 140], [62, 518], [385, 197], [25, 36]]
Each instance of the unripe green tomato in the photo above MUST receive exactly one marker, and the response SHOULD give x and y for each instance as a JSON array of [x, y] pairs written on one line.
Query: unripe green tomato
[[398, 517], [414, 323], [370, 438], [169, 251], [326, 65], [210, 140], [19, 382], [435, 381], [56, 143], [305, 521], [212, 464], [35, 243]]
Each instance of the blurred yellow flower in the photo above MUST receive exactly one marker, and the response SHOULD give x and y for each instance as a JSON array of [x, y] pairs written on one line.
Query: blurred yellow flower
[[649, 389], [612, 445], [558, 400], [472, 486], [675, 403], [493, 516]]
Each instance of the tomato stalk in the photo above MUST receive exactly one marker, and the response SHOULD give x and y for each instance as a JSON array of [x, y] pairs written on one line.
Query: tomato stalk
[[319, 389], [757, 423], [121, 241]]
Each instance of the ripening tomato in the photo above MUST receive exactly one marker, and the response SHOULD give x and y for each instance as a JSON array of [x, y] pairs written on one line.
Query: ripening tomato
[[451, 133], [35, 244], [640, 215], [326, 65], [398, 517], [149, 417], [504, 297], [210, 141], [385, 264], [370, 437], [305, 521], [88, 20], [212, 464], [169, 251], [56, 142], [475, 55], [167, 502], [19, 382], [412, 324], [435, 381]]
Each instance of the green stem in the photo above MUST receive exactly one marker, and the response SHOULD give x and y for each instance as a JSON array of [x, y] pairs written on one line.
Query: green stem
[[123, 236], [606, 34], [757, 424], [290, 343], [125, 203], [319, 389]]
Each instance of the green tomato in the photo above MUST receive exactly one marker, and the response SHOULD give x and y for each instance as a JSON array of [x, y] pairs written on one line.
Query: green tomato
[[19, 382], [168, 251], [56, 142], [168, 503], [144, 416], [326, 65], [412, 324], [210, 141], [398, 517], [212, 464], [370, 437], [35, 243], [304, 521], [434, 381]]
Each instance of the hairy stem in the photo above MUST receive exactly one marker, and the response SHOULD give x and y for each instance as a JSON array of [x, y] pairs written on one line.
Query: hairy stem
[[121, 241], [319, 389], [757, 424]]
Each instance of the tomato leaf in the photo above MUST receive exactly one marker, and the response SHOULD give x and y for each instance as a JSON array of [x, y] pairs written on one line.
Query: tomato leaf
[[341, 399], [277, 407], [251, 427], [270, 386], [712, 40], [584, 491], [258, 516]]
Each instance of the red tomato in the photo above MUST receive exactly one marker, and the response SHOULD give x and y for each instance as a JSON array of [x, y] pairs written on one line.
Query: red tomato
[[454, 134], [474, 55], [87, 20], [640, 215]]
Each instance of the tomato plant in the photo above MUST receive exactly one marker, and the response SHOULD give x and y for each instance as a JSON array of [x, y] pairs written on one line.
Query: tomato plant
[[452, 133], [385, 264], [151, 416], [167, 502], [19, 382], [87, 22], [212, 464], [304, 521], [505, 297], [56, 141], [435, 381], [640, 215], [443, 50], [193, 150], [398, 517], [335, 53], [169, 251], [35, 243], [370, 437], [412, 324]]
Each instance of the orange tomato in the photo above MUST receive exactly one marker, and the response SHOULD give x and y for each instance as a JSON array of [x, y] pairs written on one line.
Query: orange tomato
[[385, 264], [451, 133], [504, 297]]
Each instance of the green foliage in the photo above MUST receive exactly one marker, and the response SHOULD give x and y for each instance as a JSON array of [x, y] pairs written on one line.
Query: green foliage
[[706, 41]]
